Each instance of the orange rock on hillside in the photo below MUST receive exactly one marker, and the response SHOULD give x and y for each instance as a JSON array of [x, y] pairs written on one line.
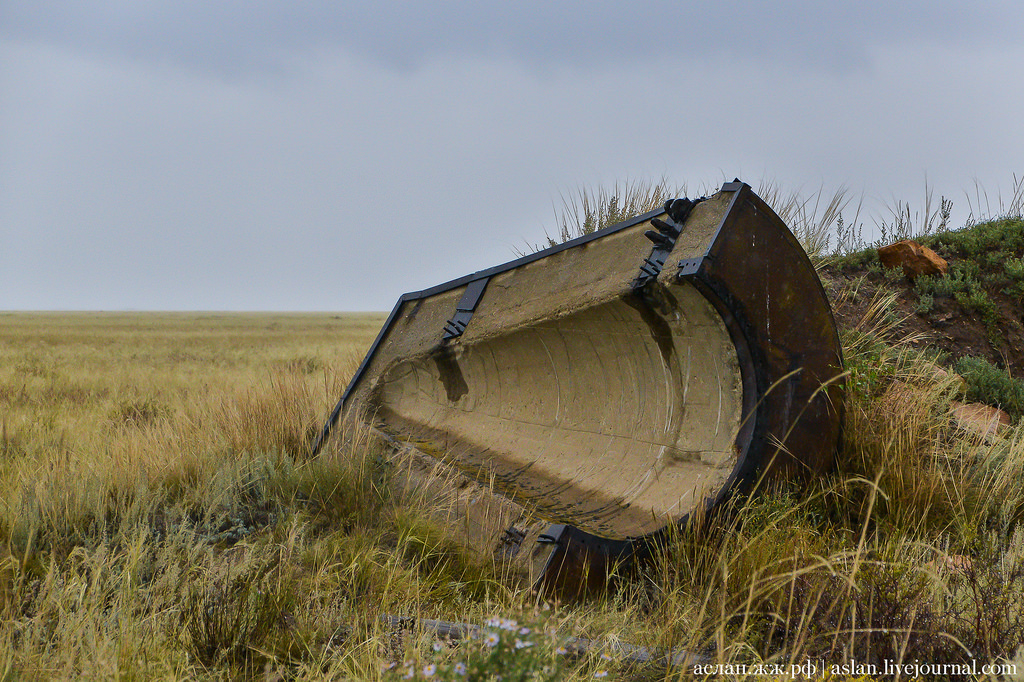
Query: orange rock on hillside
[[981, 420], [915, 259]]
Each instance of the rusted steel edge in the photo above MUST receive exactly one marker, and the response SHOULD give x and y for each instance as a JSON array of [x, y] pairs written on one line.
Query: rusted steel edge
[[574, 646]]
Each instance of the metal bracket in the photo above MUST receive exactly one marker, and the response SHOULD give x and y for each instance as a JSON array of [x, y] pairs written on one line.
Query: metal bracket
[[689, 266], [510, 542], [664, 239], [578, 563], [464, 310]]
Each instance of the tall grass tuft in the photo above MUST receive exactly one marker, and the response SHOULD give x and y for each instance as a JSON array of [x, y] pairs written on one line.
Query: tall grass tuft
[[815, 219], [588, 210], [903, 223], [983, 208]]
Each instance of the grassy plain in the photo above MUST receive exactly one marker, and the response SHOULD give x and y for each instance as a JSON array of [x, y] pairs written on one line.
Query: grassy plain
[[160, 519], [135, 430], [160, 516], [92, 366]]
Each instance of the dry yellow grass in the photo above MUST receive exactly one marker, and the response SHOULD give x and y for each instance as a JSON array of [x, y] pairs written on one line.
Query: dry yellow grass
[[159, 519], [89, 369], [118, 426]]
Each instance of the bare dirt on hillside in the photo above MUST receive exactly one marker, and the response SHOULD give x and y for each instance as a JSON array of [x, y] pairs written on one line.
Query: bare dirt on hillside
[[948, 327]]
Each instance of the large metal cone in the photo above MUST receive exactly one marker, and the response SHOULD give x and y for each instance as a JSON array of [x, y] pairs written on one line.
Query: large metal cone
[[621, 381]]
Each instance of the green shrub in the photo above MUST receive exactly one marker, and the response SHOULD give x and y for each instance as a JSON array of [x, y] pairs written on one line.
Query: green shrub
[[987, 383], [967, 270], [1014, 268], [962, 284], [978, 300], [943, 287], [1006, 234], [893, 274], [865, 258], [925, 304]]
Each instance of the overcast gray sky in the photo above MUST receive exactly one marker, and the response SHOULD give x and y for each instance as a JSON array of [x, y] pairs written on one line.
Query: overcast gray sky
[[257, 155]]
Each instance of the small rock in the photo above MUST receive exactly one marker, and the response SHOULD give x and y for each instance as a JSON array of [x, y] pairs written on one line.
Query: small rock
[[953, 567], [916, 259], [981, 420], [942, 321]]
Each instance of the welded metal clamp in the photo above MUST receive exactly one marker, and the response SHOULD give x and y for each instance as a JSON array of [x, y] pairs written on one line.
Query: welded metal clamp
[[664, 239]]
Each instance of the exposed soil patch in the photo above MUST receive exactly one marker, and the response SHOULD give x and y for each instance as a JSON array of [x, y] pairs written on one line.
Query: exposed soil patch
[[988, 325]]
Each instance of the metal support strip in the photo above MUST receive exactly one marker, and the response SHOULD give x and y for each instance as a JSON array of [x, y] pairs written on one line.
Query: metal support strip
[[464, 310]]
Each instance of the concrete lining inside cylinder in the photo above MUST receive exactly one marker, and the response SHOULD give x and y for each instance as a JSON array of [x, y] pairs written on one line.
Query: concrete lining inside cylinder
[[617, 418]]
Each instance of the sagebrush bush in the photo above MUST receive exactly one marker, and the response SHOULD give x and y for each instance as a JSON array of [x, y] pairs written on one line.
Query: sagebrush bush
[[1014, 268], [989, 384], [962, 284], [925, 304], [1005, 234]]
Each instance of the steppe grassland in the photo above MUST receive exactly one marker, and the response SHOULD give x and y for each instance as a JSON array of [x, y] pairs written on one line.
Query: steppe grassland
[[111, 392], [160, 519], [106, 418], [70, 381], [98, 368]]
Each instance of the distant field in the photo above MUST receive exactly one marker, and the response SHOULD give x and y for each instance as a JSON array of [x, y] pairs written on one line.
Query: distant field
[[70, 376]]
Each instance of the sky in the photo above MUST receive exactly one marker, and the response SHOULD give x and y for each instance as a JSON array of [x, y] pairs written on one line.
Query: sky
[[325, 156]]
